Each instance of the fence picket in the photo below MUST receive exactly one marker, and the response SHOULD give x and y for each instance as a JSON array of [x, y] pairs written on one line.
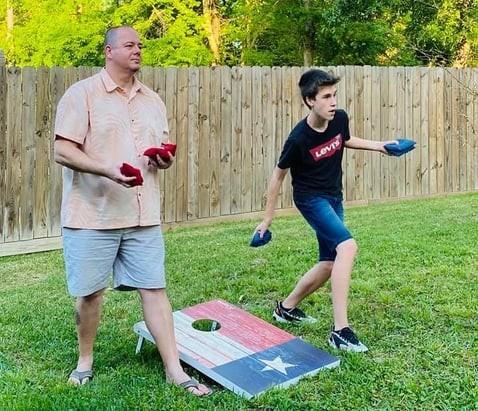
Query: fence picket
[[11, 201], [42, 150], [3, 144]]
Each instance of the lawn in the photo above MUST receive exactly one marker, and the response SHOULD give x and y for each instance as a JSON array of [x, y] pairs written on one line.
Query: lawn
[[413, 302]]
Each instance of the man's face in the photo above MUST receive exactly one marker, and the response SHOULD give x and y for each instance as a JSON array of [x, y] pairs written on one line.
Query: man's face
[[325, 102], [125, 52]]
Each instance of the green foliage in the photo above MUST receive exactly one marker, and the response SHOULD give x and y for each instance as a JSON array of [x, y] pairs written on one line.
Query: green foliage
[[287, 30], [250, 32], [442, 32], [68, 36], [73, 34], [360, 33], [412, 301], [335, 32], [355, 43], [173, 31]]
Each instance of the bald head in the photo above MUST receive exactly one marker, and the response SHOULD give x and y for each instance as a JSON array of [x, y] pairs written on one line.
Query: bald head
[[113, 34]]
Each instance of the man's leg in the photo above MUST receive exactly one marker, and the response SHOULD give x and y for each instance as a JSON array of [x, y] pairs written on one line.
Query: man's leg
[[87, 318], [311, 281], [158, 317], [340, 280]]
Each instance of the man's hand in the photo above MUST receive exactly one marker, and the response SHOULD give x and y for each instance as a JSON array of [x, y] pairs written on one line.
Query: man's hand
[[160, 162], [114, 173]]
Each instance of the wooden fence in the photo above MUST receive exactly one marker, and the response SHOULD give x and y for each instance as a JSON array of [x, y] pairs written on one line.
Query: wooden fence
[[229, 125]]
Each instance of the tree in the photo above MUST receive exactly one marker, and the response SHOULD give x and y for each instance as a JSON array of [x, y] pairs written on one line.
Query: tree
[[245, 32], [41, 33], [245, 21], [73, 34], [315, 32], [442, 32], [174, 31]]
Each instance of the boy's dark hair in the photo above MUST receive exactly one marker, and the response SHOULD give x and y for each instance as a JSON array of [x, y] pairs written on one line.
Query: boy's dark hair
[[311, 81]]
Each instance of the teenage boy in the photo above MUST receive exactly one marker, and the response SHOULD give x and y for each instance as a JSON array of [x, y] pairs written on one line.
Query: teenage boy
[[313, 152]]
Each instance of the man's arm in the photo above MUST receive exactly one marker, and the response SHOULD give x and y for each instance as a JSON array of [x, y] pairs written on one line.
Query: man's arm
[[68, 154]]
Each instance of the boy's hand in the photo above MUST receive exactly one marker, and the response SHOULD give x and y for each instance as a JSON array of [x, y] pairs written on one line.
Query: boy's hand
[[384, 150]]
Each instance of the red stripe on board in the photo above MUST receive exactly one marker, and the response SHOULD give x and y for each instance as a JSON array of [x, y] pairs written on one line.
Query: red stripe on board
[[238, 325]]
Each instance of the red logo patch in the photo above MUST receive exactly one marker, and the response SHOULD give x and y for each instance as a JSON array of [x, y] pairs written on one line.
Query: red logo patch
[[327, 149]]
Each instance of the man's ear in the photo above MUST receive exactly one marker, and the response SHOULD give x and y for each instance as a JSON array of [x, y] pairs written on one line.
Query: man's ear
[[107, 50]]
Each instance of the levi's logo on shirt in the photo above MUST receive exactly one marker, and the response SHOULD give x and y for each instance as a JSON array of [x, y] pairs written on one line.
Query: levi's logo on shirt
[[327, 149]]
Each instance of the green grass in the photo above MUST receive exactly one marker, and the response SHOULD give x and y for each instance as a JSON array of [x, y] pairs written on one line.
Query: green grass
[[413, 301]]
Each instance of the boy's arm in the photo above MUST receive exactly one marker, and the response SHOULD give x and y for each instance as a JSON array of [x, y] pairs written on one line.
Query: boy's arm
[[275, 183], [363, 144]]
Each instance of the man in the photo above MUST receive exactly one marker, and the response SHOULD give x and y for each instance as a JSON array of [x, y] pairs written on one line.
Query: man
[[313, 152], [111, 223]]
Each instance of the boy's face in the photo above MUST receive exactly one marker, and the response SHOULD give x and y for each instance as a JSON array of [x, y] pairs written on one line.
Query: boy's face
[[325, 102]]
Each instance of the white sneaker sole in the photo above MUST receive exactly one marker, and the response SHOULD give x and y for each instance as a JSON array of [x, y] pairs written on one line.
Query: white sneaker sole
[[306, 320], [348, 347]]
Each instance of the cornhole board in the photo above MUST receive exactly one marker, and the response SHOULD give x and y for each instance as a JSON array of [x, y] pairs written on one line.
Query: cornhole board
[[243, 353]]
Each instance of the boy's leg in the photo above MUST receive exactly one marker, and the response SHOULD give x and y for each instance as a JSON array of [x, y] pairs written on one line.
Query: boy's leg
[[325, 216], [311, 281], [342, 335], [159, 320], [340, 281]]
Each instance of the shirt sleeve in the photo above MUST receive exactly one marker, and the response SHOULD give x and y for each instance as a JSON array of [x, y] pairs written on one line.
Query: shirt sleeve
[[346, 133], [290, 154], [72, 117]]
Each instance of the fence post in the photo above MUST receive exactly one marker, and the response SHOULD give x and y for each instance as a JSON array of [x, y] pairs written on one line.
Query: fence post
[[3, 143]]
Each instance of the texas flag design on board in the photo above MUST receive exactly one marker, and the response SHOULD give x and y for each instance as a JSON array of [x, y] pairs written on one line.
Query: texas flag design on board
[[242, 352]]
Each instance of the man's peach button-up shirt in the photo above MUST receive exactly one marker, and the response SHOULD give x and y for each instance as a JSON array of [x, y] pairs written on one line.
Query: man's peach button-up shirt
[[115, 128]]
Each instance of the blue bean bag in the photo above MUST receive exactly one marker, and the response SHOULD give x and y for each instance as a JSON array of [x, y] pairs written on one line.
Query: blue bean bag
[[404, 146], [257, 241]]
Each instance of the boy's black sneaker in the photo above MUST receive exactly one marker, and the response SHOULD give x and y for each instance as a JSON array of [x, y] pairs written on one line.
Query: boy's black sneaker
[[345, 339], [291, 315]]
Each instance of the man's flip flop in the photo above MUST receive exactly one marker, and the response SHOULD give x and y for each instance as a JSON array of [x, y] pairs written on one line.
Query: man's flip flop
[[195, 384], [82, 377]]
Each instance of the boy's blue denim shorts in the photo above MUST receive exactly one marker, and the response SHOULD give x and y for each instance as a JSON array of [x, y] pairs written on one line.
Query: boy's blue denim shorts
[[326, 217], [133, 256]]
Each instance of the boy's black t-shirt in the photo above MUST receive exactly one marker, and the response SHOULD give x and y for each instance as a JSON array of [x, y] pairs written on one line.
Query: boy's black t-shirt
[[315, 159]]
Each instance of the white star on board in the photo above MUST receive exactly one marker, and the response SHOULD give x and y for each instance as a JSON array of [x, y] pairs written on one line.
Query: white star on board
[[277, 364]]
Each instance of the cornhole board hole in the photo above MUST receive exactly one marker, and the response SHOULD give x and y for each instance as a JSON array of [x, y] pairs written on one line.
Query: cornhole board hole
[[243, 353]]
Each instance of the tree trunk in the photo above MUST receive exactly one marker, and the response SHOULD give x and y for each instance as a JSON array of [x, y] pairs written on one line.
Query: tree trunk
[[9, 37], [213, 27], [463, 56], [308, 57], [309, 38], [9, 20]]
